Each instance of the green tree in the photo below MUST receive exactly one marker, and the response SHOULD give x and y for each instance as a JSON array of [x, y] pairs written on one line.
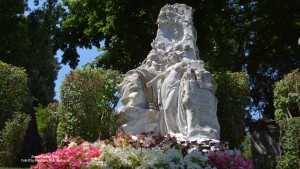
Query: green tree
[[88, 98], [271, 49], [28, 42], [13, 26], [232, 94]]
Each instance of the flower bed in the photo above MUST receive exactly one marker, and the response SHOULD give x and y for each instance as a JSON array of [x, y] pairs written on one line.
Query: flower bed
[[144, 151]]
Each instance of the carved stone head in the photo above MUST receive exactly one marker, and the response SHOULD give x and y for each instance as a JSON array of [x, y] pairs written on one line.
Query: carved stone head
[[132, 91]]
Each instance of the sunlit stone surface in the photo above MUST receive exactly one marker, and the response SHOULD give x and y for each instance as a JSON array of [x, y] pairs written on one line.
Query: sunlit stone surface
[[171, 92]]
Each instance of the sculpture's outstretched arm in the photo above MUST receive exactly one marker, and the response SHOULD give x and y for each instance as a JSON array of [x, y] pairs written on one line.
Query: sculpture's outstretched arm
[[142, 74], [154, 80]]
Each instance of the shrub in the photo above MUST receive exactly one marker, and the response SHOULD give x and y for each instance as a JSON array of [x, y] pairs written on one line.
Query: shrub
[[287, 112], [12, 138], [232, 94], [13, 86], [41, 119], [47, 122], [88, 98], [246, 146]]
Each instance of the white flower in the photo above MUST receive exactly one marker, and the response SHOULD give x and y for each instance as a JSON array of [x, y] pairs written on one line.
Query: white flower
[[210, 167], [230, 152], [237, 152], [195, 159], [193, 166], [95, 162], [175, 158], [85, 146], [149, 158], [134, 138], [214, 148], [72, 144], [165, 157]]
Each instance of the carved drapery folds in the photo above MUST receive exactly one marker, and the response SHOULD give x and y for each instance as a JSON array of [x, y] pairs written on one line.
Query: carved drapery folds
[[171, 92]]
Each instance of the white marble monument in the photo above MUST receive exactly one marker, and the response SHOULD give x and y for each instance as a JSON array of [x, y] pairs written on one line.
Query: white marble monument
[[171, 92]]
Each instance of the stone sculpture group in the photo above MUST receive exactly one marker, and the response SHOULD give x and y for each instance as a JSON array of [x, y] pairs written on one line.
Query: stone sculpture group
[[171, 92]]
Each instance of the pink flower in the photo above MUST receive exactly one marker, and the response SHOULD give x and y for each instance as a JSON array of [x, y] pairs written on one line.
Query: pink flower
[[77, 164], [213, 156], [93, 152], [250, 164], [76, 156]]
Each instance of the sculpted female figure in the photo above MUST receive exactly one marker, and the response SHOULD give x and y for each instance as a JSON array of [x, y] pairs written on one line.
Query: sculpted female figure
[[169, 94]]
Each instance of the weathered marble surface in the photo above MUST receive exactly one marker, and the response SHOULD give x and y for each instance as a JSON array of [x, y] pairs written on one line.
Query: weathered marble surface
[[171, 92]]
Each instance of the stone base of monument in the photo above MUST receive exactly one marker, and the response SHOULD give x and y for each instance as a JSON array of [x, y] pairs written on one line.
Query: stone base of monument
[[135, 120], [199, 138]]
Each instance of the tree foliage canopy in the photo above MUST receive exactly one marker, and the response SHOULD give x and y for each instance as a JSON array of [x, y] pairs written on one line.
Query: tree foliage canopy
[[28, 41]]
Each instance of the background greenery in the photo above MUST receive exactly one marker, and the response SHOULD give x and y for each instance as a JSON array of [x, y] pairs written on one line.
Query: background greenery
[[47, 122], [13, 126], [287, 115], [12, 138], [27, 41], [13, 84], [232, 94], [88, 98]]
